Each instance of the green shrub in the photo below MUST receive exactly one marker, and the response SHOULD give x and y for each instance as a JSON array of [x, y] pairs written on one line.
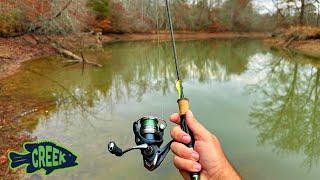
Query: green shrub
[[99, 7]]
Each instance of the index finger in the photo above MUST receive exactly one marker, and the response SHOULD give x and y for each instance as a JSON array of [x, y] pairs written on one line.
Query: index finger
[[175, 118]]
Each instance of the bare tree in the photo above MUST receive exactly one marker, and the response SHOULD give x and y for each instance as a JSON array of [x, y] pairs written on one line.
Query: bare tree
[[302, 9]]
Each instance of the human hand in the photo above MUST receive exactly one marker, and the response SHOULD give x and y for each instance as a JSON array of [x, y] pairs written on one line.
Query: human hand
[[207, 157]]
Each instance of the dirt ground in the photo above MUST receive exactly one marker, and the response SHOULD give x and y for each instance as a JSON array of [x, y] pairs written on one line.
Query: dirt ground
[[13, 51]]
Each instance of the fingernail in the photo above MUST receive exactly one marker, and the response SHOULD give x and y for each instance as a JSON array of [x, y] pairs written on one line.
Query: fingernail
[[197, 166], [173, 117], [186, 138], [195, 155]]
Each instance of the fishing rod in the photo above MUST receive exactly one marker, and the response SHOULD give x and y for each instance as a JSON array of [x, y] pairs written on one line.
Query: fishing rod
[[149, 130], [183, 102]]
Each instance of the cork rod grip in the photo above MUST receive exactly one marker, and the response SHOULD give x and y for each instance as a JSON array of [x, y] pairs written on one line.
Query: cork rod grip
[[183, 106]]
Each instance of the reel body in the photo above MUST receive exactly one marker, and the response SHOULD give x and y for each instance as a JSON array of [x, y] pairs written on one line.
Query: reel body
[[148, 133]]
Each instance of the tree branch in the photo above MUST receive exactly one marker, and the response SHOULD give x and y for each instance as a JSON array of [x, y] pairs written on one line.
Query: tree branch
[[60, 12], [55, 16], [278, 9]]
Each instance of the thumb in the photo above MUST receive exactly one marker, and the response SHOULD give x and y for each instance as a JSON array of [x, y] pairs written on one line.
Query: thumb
[[199, 132]]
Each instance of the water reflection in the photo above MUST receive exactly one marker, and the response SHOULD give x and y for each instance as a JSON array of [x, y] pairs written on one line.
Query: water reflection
[[136, 68], [287, 112], [133, 69]]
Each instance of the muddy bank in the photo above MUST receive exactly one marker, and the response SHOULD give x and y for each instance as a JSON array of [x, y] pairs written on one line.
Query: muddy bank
[[13, 51], [183, 35], [307, 47], [301, 39]]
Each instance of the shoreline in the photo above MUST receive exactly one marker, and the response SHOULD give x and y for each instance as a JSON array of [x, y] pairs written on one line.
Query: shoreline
[[310, 48], [14, 51]]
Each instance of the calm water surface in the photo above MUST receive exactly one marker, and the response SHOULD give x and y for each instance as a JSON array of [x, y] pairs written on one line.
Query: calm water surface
[[263, 105]]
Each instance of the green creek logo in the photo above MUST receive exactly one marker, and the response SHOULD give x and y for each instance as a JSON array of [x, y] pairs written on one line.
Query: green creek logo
[[48, 156]]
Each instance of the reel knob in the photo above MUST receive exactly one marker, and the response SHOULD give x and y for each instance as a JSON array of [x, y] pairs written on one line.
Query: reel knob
[[162, 126], [114, 149]]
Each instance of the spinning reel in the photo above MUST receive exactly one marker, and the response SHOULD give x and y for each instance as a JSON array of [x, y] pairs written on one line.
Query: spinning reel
[[148, 133]]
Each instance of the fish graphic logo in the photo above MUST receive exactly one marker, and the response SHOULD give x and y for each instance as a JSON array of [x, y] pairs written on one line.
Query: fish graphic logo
[[48, 156]]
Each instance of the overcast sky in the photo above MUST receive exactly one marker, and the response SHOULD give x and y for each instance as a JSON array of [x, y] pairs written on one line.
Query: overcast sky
[[264, 6], [267, 6]]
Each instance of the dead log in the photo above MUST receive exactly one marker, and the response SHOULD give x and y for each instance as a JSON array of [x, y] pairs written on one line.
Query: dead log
[[73, 58], [5, 57], [31, 39], [287, 43], [66, 53]]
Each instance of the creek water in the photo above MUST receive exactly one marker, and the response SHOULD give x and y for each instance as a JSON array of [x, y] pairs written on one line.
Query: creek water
[[261, 103]]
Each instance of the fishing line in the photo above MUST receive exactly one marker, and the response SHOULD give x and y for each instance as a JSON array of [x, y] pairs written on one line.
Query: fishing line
[[174, 49]]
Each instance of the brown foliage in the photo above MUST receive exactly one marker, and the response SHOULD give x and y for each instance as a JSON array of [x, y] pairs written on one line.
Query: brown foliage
[[10, 139], [303, 32], [216, 27], [34, 8], [43, 16], [104, 25]]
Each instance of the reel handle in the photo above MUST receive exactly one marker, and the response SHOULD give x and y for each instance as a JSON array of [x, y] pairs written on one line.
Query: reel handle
[[114, 149], [183, 109]]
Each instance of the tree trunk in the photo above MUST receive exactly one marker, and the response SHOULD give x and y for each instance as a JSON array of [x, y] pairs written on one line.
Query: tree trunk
[[318, 15], [301, 18]]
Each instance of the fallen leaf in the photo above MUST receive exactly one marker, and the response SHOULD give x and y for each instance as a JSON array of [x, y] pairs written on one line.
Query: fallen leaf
[[3, 159]]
